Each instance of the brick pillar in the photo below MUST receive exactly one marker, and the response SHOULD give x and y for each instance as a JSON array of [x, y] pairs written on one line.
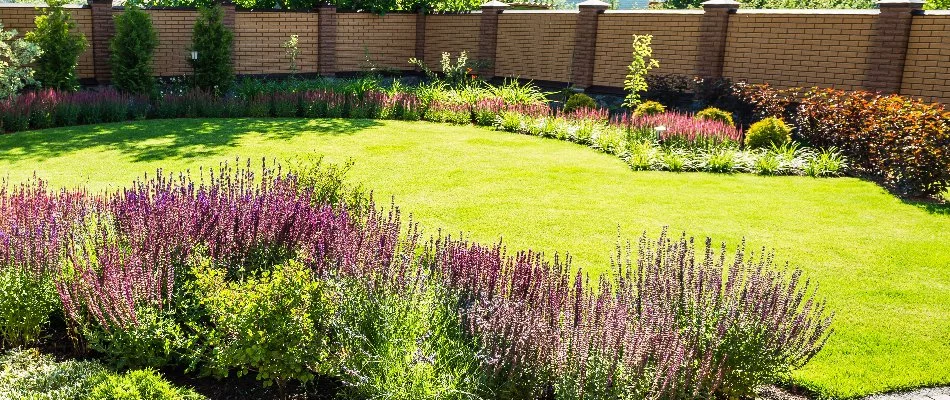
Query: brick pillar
[[421, 36], [103, 29], [585, 42], [713, 29], [889, 45], [229, 20], [326, 34], [488, 36]]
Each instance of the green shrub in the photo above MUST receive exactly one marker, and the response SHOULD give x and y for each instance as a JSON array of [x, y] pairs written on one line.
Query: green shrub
[[155, 341], [139, 385], [715, 114], [649, 108], [768, 132], [457, 74], [56, 65], [132, 48], [15, 74], [578, 101], [212, 41], [329, 183], [405, 343], [29, 375], [275, 325], [25, 306]]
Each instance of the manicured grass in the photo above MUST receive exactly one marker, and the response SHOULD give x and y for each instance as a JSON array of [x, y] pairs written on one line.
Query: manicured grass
[[883, 264]]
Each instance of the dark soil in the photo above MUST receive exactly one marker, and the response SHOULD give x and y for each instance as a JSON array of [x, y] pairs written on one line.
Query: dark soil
[[247, 387]]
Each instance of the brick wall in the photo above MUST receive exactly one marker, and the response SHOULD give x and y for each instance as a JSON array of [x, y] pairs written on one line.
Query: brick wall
[[927, 69], [174, 41], [535, 45], [259, 35], [21, 17], [896, 49], [675, 35], [450, 33], [388, 41], [829, 50]]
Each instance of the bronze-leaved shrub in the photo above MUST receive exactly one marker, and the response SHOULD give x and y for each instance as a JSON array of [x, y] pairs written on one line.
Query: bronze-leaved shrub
[[901, 142]]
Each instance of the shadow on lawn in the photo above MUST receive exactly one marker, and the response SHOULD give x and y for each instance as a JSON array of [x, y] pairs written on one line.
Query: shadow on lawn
[[157, 140], [933, 208]]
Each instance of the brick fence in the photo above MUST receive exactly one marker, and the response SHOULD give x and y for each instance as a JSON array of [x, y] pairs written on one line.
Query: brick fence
[[897, 48]]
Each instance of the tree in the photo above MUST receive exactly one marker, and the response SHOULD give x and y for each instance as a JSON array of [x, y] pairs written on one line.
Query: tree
[[56, 66], [132, 49], [212, 41], [937, 5], [643, 62], [14, 57]]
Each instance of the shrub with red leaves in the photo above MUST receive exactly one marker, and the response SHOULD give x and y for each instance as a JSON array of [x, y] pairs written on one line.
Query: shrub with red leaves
[[900, 142]]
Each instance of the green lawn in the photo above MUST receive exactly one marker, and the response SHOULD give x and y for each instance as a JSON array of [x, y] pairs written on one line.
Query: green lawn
[[883, 264]]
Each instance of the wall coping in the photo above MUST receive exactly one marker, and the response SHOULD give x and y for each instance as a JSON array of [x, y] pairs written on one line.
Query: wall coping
[[540, 12], [39, 5], [509, 11], [809, 11], [656, 12]]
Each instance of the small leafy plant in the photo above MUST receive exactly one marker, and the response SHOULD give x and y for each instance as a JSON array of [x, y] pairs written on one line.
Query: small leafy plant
[[828, 162], [292, 48]]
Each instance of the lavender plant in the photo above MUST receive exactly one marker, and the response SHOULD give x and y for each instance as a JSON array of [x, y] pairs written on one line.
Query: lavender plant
[[669, 325]]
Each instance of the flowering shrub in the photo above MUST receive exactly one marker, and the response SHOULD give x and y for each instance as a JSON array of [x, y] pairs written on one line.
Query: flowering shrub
[[683, 129], [280, 274], [665, 141], [669, 325]]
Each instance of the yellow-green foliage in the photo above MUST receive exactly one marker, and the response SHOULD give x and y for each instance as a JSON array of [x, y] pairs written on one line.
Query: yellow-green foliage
[[649, 108], [768, 132], [715, 114]]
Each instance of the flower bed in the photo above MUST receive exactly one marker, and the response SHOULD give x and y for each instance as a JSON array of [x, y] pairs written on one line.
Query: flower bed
[[667, 141], [288, 276]]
